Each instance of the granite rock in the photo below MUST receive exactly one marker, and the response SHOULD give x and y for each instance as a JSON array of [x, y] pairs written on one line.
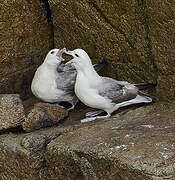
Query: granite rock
[[25, 39], [137, 37], [11, 111], [23, 155], [134, 144], [43, 115]]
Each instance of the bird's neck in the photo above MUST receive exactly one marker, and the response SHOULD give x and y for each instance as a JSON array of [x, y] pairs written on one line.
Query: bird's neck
[[50, 67], [89, 72]]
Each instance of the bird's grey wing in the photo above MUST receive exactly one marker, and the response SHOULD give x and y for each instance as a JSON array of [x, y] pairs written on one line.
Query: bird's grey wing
[[113, 90], [66, 81], [63, 68], [60, 68]]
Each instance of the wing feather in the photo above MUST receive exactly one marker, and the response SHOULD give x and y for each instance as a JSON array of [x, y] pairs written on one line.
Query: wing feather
[[66, 81], [117, 92]]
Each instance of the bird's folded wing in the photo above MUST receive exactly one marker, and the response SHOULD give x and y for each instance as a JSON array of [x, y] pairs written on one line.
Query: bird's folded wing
[[114, 91], [66, 81]]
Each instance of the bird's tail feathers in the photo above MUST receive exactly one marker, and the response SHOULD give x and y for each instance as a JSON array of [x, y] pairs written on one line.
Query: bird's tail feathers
[[143, 86], [141, 93]]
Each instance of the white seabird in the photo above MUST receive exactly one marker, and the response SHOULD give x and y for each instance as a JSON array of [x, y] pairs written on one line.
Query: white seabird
[[47, 84], [100, 92], [54, 81]]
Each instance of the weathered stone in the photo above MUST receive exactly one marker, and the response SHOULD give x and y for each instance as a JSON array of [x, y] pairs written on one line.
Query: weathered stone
[[138, 144], [136, 36], [11, 111], [22, 155], [25, 38], [115, 31], [161, 24], [135, 144], [43, 115]]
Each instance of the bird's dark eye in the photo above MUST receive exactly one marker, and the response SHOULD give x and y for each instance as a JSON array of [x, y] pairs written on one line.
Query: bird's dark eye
[[76, 55], [52, 52]]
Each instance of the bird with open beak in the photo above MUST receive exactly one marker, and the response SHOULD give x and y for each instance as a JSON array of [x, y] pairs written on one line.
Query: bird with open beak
[[51, 85], [103, 93], [54, 81]]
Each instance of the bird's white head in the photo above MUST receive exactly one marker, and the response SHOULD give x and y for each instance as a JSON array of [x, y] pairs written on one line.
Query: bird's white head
[[80, 59], [54, 57]]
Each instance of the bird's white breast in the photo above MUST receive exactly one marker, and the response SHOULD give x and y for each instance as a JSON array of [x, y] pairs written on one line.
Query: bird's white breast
[[87, 91], [44, 84]]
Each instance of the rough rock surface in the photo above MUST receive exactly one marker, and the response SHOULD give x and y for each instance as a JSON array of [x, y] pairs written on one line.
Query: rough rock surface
[[136, 36], [11, 111], [22, 155], [43, 115], [136, 143], [25, 38], [161, 22]]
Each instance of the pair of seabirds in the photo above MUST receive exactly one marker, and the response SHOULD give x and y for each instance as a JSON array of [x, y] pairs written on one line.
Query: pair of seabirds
[[55, 82]]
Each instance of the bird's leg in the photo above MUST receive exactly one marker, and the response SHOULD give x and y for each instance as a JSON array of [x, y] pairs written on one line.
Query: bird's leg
[[72, 107], [88, 119], [57, 104], [92, 114]]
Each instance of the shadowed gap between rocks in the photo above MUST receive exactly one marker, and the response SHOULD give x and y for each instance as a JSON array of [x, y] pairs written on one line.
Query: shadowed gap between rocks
[[17, 129], [45, 5]]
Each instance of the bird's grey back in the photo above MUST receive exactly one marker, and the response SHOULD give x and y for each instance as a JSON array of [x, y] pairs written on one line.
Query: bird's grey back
[[66, 81], [67, 76], [63, 68]]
